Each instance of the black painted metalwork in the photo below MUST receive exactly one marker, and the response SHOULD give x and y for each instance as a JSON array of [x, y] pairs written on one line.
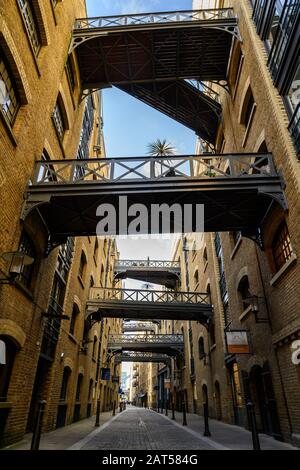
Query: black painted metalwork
[[158, 343], [147, 304], [165, 273], [150, 55], [135, 327], [132, 356], [237, 190]]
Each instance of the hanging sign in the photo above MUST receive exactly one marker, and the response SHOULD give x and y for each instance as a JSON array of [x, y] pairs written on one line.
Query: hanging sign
[[105, 373], [237, 342], [167, 384]]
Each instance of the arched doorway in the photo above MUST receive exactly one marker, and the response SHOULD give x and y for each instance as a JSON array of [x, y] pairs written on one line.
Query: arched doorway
[[261, 392], [218, 401]]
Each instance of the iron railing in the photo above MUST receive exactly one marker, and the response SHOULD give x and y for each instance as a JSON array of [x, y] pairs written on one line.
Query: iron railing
[[130, 327], [133, 356], [143, 19], [137, 169], [144, 295], [120, 264], [164, 340]]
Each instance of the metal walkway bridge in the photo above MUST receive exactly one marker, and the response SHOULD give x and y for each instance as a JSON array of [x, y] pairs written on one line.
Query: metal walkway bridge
[[166, 273], [132, 356], [155, 343], [151, 55], [147, 304], [237, 191], [136, 327]]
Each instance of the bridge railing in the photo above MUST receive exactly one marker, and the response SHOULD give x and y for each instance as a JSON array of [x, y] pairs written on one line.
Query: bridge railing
[[143, 338], [144, 19], [150, 169], [121, 264], [144, 295]]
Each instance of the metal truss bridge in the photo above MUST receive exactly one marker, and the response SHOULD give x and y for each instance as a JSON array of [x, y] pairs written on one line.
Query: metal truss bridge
[[147, 304], [130, 327], [151, 56], [130, 356], [236, 190], [165, 273], [155, 343]]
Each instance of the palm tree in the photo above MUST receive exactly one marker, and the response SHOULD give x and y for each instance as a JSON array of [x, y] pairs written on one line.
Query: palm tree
[[161, 148]]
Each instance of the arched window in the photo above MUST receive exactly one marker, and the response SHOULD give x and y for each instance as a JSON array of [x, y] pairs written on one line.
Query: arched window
[[248, 108], [96, 249], [79, 384], [65, 383], [75, 313], [82, 266], [10, 101], [281, 247], [27, 246], [201, 346], [95, 346], [205, 258], [196, 278], [244, 291], [7, 356], [90, 389]]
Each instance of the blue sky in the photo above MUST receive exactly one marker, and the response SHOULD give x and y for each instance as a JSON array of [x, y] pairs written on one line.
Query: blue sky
[[130, 125]]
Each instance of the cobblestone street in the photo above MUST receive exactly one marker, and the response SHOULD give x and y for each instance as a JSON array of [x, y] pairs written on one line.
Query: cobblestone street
[[144, 429]]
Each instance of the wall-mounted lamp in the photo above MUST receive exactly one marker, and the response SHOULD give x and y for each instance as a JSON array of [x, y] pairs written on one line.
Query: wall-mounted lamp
[[16, 261], [255, 301]]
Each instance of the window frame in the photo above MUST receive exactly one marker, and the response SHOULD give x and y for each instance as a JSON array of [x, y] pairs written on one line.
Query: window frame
[[13, 87], [36, 44], [282, 229]]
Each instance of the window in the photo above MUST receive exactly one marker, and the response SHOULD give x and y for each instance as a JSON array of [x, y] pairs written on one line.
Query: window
[[196, 278], [96, 249], [54, 2], [90, 390], [281, 246], [293, 108], [30, 24], [201, 346], [7, 356], [64, 384], [27, 246], [78, 389], [205, 258], [94, 347], [70, 73], [92, 282], [244, 291], [82, 266], [58, 120], [236, 236], [9, 100], [248, 109], [75, 313]]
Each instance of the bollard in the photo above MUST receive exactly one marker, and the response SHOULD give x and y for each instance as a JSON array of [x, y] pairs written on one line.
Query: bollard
[[206, 425], [97, 423], [252, 417], [167, 407], [184, 421], [121, 407], [173, 412], [35, 442], [114, 409]]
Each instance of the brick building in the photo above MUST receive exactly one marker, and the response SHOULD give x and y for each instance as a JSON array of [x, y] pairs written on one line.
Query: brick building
[[48, 351]]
